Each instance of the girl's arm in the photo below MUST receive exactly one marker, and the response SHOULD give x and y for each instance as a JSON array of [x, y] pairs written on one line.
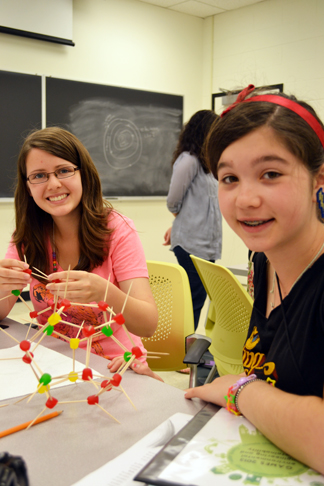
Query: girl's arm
[[140, 311], [293, 423], [184, 171], [12, 277]]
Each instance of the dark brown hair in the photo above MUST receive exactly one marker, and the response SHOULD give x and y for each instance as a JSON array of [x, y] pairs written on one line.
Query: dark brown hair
[[298, 137], [193, 136], [34, 226]]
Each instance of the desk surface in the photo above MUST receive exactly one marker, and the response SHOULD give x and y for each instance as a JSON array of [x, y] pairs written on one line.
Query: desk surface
[[63, 450]]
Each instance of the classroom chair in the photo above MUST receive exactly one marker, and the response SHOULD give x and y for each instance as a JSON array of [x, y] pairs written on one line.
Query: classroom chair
[[228, 316], [171, 290]]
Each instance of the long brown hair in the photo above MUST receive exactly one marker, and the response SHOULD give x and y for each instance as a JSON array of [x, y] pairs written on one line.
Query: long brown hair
[[34, 226]]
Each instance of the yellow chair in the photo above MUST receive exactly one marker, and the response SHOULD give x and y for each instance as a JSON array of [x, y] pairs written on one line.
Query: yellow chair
[[228, 317], [171, 290]]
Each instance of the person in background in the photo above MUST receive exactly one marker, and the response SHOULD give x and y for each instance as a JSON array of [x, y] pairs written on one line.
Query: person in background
[[192, 199], [65, 229], [267, 152]]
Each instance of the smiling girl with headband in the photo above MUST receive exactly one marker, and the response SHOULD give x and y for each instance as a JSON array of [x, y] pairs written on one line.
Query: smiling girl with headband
[[267, 154]]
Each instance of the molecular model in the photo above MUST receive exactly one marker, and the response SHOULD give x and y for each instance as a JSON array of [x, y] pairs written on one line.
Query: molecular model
[[45, 380]]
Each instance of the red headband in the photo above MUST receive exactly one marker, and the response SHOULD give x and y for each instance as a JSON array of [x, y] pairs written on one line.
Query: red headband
[[285, 102]]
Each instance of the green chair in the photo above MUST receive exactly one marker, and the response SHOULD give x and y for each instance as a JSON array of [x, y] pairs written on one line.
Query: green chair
[[228, 316]]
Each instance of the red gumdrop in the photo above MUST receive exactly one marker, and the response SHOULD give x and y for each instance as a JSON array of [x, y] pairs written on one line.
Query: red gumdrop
[[27, 359], [24, 345], [102, 305], [116, 379], [28, 270], [106, 383], [119, 318], [137, 352], [33, 314], [88, 331], [93, 399], [51, 402], [66, 303], [87, 374], [57, 280]]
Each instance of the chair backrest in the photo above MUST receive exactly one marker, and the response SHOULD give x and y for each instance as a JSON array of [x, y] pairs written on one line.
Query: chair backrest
[[171, 290], [228, 316]]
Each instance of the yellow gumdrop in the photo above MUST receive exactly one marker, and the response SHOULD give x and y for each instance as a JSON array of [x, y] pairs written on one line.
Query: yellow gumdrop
[[74, 343], [73, 376], [54, 319], [43, 389]]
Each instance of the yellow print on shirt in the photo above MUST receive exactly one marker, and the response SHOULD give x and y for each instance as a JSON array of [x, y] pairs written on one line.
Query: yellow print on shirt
[[253, 361]]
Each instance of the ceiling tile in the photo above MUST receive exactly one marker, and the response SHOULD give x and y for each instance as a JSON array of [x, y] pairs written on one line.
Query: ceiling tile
[[192, 7]]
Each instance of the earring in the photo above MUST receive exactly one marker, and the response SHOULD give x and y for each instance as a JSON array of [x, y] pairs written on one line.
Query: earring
[[320, 201]]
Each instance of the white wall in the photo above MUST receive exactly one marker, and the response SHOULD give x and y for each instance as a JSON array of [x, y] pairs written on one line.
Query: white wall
[[271, 42], [120, 43], [135, 45]]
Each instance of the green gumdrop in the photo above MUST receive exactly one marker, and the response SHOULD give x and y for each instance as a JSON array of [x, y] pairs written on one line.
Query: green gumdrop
[[107, 331], [45, 379], [127, 356], [49, 330], [16, 292]]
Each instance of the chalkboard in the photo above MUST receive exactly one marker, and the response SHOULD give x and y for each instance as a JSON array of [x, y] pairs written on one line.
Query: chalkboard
[[130, 134], [20, 102]]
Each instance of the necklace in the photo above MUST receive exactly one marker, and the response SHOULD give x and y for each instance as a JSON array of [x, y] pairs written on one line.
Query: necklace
[[298, 278], [54, 253]]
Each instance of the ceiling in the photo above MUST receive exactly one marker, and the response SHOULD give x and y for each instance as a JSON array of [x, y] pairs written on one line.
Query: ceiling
[[202, 9]]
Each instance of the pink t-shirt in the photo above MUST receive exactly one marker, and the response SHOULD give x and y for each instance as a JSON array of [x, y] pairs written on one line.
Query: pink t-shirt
[[126, 260]]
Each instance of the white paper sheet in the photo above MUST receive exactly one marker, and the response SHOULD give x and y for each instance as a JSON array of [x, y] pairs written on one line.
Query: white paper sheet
[[17, 378], [120, 471], [229, 451]]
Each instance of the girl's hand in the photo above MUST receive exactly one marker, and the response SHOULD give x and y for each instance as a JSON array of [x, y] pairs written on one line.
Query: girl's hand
[[115, 363], [12, 275], [167, 237], [214, 392], [78, 286]]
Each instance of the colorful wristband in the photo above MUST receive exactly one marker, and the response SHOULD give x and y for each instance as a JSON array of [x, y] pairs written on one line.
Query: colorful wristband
[[233, 390]]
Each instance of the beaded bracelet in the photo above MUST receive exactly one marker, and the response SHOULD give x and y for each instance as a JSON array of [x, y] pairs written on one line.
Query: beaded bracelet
[[234, 390]]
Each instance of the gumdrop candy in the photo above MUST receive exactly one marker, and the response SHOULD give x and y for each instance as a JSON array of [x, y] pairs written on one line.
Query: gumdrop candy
[[66, 303], [51, 402], [116, 379], [137, 352], [103, 305], [88, 331], [73, 376], [24, 345], [93, 399], [74, 343], [107, 331], [43, 389], [127, 356], [16, 292], [28, 270], [87, 374], [45, 379], [54, 319], [27, 359], [105, 383], [49, 330], [33, 314], [119, 318]]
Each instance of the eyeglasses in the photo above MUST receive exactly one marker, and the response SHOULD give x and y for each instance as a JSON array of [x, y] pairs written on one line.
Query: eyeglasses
[[62, 173]]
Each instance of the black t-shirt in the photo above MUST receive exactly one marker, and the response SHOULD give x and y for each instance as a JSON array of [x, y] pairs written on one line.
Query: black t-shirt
[[290, 357]]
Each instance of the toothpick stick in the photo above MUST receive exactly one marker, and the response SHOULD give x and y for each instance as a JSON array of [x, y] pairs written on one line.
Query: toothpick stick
[[9, 335], [80, 330], [70, 324], [107, 413], [30, 425], [39, 276], [127, 365], [39, 271], [6, 297], [129, 289], [106, 292], [66, 283], [22, 300], [44, 335], [122, 389], [156, 352], [74, 401]]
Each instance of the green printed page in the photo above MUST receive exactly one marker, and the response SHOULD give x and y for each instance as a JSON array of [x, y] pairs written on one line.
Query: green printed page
[[229, 450]]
